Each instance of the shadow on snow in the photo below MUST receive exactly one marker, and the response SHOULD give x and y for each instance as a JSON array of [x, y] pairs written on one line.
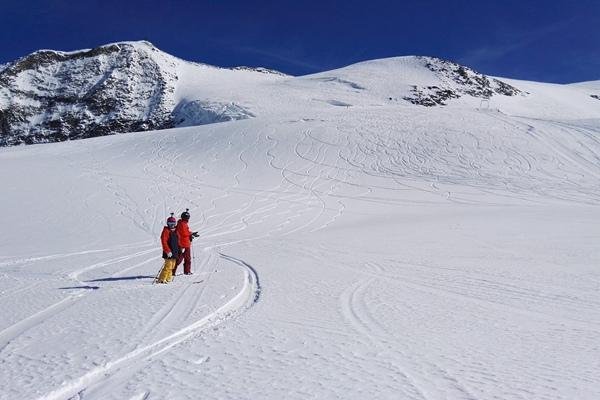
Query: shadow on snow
[[121, 278]]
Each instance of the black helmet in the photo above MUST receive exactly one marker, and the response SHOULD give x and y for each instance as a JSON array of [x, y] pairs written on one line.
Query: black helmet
[[185, 215]]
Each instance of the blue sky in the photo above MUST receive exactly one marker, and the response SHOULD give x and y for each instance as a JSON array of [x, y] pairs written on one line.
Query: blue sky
[[552, 40]]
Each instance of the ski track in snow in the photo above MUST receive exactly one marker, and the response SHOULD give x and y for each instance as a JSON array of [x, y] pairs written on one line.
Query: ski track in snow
[[15, 330], [246, 297], [432, 381], [438, 383]]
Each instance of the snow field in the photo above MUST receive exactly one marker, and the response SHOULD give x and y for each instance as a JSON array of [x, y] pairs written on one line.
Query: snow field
[[366, 251]]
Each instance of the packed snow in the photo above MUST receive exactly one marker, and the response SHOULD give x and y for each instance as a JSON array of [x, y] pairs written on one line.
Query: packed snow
[[352, 246]]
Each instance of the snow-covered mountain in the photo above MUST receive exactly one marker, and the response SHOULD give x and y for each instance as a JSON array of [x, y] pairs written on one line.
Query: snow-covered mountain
[[51, 96], [403, 228]]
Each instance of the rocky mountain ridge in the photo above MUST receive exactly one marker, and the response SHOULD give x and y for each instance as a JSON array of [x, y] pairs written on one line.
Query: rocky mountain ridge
[[457, 81], [51, 96]]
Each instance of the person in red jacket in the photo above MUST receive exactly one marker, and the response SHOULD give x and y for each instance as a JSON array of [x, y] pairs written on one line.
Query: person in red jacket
[[185, 243], [169, 239]]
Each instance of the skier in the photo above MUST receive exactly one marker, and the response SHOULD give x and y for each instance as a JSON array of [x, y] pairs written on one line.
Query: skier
[[170, 246], [185, 243]]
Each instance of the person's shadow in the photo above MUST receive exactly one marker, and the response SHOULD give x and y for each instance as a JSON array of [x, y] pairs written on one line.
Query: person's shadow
[[79, 287], [121, 278], [111, 279]]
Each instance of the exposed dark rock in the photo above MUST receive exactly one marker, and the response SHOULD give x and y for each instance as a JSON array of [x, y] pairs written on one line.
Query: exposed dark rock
[[457, 81], [56, 96], [430, 96], [259, 69]]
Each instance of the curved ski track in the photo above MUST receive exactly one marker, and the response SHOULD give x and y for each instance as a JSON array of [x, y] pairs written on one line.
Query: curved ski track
[[245, 298], [422, 379]]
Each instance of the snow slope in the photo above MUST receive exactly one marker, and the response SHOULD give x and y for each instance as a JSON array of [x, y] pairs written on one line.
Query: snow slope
[[352, 245], [588, 84]]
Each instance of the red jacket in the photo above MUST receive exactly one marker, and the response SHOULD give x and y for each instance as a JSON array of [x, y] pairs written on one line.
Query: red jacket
[[170, 242], [185, 235]]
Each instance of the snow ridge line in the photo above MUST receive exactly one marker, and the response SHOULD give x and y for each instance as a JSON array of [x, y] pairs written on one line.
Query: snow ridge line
[[246, 298]]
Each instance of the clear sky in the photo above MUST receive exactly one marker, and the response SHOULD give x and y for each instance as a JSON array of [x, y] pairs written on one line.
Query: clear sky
[[551, 40]]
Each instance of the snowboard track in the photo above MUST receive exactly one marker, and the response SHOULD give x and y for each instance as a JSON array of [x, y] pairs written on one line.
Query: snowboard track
[[248, 296]]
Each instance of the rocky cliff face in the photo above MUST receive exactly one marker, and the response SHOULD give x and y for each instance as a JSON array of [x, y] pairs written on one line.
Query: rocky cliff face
[[52, 96], [456, 81]]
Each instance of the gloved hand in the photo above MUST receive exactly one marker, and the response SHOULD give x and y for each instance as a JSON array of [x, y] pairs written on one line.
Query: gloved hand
[[182, 251], [169, 254], [195, 234]]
